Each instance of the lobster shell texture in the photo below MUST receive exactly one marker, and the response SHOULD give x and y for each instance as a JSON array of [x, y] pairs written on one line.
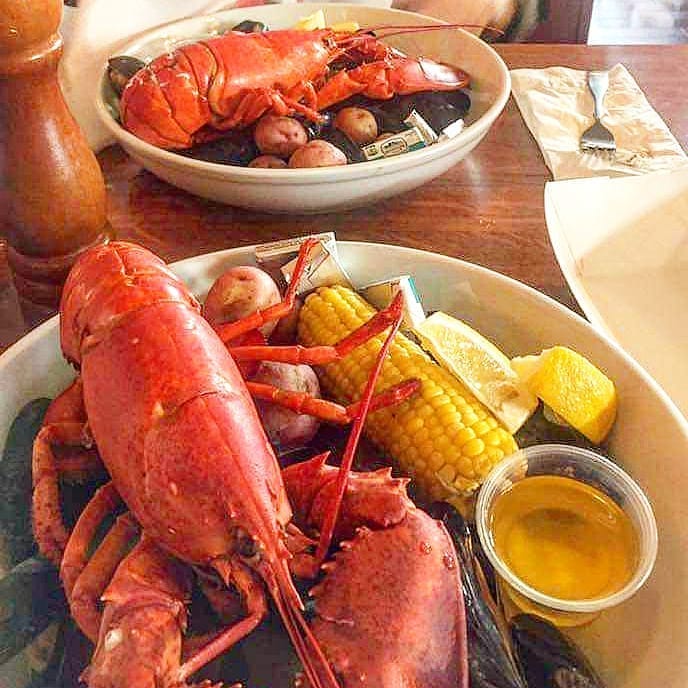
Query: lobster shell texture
[[169, 411]]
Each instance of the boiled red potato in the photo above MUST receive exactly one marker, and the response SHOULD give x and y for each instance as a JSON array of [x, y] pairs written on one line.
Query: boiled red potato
[[286, 429], [317, 153], [358, 124], [285, 332], [271, 162], [279, 136], [239, 292]]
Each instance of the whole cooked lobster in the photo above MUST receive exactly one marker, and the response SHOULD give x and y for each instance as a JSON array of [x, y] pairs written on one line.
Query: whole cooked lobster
[[177, 430], [229, 82]]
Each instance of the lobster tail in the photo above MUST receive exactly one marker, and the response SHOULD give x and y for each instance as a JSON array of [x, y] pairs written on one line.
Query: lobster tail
[[164, 109], [204, 88]]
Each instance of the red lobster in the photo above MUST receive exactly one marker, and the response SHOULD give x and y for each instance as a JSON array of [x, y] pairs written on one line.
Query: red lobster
[[177, 431], [229, 82]]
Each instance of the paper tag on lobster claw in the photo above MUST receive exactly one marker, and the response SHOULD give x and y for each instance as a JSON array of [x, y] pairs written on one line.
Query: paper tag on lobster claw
[[452, 130], [273, 255], [380, 295], [322, 270], [426, 131], [284, 250]]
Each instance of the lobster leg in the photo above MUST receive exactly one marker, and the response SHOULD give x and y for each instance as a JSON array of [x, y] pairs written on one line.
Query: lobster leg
[[229, 331], [329, 411], [49, 530], [240, 577], [140, 640], [75, 463], [89, 586], [256, 103], [372, 499], [102, 504], [321, 355], [64, 425]]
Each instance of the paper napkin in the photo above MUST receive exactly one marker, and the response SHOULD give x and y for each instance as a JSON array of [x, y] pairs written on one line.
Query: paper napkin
[[557, 106], [622, 244]]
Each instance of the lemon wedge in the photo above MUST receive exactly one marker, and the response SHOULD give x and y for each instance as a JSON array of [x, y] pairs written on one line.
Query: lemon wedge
[[346, 27], [573, 388], [311, 22], [480, 365]]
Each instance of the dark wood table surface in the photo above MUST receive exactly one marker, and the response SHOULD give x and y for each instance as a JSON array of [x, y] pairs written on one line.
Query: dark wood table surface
[[487, 210]]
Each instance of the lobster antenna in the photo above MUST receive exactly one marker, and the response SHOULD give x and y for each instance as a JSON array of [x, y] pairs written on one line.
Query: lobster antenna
[[357, 428], [400, 29], [315, 665]]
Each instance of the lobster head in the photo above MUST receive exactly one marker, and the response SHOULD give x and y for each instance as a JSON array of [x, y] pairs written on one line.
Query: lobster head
[[105, 284]]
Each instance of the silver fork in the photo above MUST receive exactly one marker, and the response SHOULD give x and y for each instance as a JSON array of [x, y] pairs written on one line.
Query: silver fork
[[598, 137]]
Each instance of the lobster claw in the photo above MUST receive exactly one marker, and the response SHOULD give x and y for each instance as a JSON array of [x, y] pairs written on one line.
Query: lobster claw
[[397, 75]]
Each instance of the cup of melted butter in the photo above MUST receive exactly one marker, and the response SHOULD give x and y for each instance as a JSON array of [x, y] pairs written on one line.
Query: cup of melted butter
[[568, 532]]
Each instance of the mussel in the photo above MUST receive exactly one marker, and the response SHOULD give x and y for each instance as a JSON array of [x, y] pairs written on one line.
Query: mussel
[[547, 658], [490, 659], [235, 148], [438, 109], [345, 144], [121, 68], [315, 130], [31, 598], [539, 430], [249, 26], [15, 484]]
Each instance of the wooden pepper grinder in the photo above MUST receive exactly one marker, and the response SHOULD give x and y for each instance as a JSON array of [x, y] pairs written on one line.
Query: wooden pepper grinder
[[52, 191]]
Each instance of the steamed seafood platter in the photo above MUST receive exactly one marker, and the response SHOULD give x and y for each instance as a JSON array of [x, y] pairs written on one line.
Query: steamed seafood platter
[[314, 95], [300, 478]]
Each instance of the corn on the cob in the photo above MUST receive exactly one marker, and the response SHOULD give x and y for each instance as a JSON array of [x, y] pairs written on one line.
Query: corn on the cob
[[443, 436]]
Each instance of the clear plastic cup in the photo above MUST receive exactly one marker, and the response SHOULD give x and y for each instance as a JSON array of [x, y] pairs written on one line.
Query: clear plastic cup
[[587, 467]]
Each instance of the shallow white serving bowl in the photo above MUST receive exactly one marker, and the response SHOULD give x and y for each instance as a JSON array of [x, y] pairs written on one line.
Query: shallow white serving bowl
[[323, 189], [636, 645]]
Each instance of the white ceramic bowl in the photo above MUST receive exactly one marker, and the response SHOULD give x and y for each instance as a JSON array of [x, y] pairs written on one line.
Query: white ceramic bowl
[[635, 645], [323, 189]]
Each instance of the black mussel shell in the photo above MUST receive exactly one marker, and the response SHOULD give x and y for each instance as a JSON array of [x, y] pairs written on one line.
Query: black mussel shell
[[440, 118], [31, 598], [433, 106], [385, 112], [539, 430], [121, 69], [236, 148], [345, 144], [315, 130], [547, 658], [490, 660], [460, 100], [389, 117], [438, 108], [248, 26], [16, 534]]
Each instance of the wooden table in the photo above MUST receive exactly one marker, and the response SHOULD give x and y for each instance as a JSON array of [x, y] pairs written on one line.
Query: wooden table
[[487, 210]]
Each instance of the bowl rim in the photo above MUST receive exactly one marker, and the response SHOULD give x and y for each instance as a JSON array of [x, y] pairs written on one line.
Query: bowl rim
[[238, 174]]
